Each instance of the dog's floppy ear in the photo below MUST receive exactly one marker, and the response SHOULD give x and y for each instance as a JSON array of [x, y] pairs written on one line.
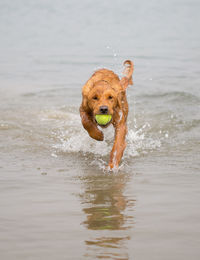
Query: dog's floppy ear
[[84, 102], [120, 98], [85, 92]]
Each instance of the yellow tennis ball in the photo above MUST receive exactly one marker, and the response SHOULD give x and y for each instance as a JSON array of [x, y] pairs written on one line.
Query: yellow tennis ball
[[103, 119]]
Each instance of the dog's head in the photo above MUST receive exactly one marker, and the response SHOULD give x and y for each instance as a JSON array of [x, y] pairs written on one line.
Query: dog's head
[[102, 99]]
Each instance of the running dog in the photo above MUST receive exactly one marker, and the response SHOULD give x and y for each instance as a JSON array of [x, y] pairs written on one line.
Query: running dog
[[105, 94]]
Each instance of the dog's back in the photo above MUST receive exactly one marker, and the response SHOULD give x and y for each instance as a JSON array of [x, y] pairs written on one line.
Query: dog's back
[[102, 75]]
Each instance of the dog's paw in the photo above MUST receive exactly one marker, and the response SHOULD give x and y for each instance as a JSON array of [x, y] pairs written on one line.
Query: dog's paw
[[112, 168], [97, 135], [101, 136]]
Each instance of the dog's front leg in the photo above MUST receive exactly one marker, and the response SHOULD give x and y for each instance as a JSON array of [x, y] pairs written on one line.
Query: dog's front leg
[[90, 126], [119, 146]]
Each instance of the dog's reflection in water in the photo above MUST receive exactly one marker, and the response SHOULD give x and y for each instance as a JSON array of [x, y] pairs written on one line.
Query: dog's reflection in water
[[107, 215]]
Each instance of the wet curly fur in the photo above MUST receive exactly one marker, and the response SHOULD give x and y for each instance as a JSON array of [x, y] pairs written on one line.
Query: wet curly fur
[[104, 93]]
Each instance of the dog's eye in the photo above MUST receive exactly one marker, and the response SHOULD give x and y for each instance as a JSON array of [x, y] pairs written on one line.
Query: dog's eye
[[95, 97], [110, 97]]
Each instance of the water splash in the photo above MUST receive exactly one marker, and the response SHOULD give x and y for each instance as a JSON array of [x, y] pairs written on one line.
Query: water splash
[[79, 141], [72, 138]]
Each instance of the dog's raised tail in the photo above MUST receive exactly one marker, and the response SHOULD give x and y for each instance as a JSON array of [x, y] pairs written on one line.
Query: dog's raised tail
[[127, 74], [128, 71]]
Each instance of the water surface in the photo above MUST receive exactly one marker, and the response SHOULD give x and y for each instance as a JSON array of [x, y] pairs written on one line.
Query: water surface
[[57, 201]]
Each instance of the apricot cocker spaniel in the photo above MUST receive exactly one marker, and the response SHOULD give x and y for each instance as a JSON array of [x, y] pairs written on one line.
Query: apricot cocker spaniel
[[104, 102]]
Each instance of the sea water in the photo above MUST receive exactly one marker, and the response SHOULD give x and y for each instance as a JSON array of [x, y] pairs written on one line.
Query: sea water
[[57, 200]]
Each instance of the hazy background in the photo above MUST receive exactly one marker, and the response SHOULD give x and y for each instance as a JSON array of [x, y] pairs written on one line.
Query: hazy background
[[56, 200]]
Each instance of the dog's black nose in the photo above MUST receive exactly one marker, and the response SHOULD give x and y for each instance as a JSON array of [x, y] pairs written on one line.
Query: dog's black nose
[[103, 110]]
